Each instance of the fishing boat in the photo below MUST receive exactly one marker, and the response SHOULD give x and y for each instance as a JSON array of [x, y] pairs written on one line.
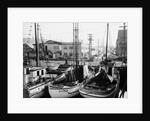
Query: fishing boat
[[105, 83], [35, 78], [68, 80], [70, 75], [59, 71], [64, 85], [34, 81], [52, 66]]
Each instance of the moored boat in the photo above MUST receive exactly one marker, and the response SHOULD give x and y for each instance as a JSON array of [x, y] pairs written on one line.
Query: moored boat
[[52, 66], [63, 90], [105, 84], [65, 87], [68, 83], [35, 81]]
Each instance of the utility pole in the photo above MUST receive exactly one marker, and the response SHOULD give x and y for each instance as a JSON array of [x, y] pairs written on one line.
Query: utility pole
[[75, 43], [124, 37], [90, 45], [37, 43], [78, 43], [107, 39]]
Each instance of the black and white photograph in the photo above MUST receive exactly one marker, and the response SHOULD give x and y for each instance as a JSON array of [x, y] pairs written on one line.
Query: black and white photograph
[[75, 60]]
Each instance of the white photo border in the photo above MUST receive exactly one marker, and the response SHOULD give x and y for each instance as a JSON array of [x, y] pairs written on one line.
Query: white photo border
[[18, 104]]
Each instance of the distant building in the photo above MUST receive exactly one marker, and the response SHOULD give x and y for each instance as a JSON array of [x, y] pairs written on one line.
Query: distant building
[[121, 47], [27, 48], [51, 47], [68, 50], [60, 48]]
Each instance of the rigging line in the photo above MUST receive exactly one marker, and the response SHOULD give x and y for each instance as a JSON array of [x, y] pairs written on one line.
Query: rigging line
[[60, 33], [103, 41], [96, 28], [82, 31], [42, 46], [41, 34], [110, 42], [95, 32], [85, 44], [65, 33], [114, 25]]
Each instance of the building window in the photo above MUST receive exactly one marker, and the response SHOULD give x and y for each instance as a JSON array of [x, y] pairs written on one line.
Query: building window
[[38, 73], [70, 47], [56, 47], [46, 48], [42, 72], [65, 47]]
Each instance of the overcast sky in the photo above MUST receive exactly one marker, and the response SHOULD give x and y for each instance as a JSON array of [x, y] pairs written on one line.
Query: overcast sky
[[64, 32]]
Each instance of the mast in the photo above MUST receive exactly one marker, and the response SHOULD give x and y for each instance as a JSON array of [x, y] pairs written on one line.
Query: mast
[[107, 40], [76, 43], [37, 44], [42, 46], [124, 39], [73, 45]]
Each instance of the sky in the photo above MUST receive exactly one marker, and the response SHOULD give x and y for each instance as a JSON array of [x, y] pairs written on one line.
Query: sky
[[63, 32]]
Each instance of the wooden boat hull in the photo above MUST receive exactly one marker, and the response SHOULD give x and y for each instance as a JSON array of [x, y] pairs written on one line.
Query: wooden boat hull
[[38, 95], [52, 67], [64, 91], [91, 94], [110, 91], [36, 91], [103, 85]]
